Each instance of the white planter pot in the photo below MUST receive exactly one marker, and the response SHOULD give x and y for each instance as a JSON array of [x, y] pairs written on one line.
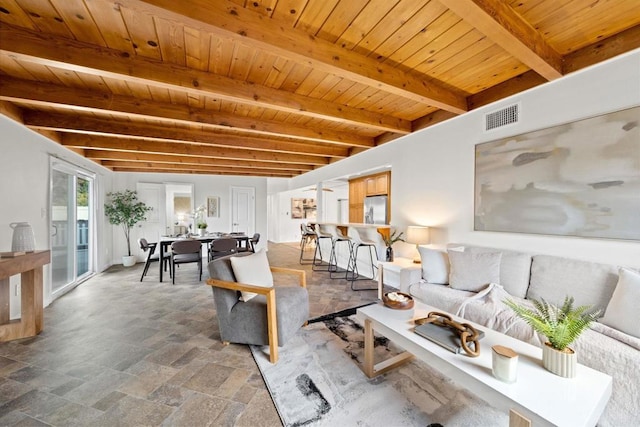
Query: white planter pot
[[129, 261], [202, 231], [559, 362]]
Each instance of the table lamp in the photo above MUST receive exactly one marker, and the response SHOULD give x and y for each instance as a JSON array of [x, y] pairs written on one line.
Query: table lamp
[[419, 236]]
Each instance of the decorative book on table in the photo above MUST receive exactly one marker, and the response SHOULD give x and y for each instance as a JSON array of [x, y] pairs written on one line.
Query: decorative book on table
[[443, 336]]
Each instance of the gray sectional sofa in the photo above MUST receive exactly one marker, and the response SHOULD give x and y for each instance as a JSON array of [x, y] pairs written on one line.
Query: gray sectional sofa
[[521, 276]]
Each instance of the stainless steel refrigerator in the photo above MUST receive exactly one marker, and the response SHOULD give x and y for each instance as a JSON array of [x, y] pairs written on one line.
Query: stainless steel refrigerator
[[375, 210]]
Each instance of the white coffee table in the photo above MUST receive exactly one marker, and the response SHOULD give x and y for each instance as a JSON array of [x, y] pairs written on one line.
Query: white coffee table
[[537, 397]]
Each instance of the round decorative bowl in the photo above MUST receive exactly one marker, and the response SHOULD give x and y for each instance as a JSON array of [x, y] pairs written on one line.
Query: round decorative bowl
[[398, 300]]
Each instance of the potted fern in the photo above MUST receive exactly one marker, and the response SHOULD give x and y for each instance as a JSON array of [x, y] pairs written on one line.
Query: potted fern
[[562, 326]]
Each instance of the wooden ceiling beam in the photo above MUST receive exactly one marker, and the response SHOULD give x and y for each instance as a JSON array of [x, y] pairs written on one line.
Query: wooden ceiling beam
[[180, 167], [196, 172], [105, 127], [67, 54], [510, 87], [258, 31], [615, 45], [601, 51], [48, 95], [94, 142], [505, 27], [186, 160], [10, 110]]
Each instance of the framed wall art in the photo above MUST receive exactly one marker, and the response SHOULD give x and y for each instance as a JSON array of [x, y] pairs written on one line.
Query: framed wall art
[[213, 207], [303, 208], [577, 179]]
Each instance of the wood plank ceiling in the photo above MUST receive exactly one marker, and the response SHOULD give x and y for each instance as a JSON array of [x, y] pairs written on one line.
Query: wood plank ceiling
[[280, 87]]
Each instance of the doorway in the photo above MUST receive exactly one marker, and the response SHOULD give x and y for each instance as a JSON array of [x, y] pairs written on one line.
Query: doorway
[[72, 226], [243, 210]]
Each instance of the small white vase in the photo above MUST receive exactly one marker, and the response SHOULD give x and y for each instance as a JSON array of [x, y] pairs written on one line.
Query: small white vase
[[128, 261], [559, 362], [23, 238], [202, 231]]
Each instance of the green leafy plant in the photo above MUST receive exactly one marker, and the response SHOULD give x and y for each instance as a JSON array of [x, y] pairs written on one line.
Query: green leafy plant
[[389, 241], [561, 325], [124, 208], [199, 215]]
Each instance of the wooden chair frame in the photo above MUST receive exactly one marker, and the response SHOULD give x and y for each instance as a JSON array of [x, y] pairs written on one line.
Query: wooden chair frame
[[270, 294]]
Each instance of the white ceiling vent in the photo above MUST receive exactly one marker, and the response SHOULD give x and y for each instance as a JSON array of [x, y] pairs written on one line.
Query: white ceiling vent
[[504, 116]]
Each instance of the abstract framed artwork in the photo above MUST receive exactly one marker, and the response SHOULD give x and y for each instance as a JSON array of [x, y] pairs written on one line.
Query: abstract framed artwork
[[213, 207], [303, 208], [577, 179]]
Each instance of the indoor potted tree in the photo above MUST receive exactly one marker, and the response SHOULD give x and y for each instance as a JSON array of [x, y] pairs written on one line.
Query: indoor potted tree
[[126, 210], [561, 326]]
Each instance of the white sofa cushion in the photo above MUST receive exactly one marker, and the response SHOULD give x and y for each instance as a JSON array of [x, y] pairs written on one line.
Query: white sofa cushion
[[435, 265], [515, 269], [473, 271], [252, 270], [441, 297], [622, 312], [589, 283]]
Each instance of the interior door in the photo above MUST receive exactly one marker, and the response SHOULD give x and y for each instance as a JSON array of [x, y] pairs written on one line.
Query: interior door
[[243, 210], [153, 194]]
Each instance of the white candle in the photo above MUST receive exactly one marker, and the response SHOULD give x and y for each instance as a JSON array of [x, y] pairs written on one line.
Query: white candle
[[505, 363]]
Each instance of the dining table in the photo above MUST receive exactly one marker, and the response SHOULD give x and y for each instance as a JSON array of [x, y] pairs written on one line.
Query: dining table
[[166, 241]]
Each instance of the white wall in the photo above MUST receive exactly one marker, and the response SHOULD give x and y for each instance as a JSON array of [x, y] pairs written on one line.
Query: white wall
[[433, 169], [24, 194], [283, 228], [205, 186]]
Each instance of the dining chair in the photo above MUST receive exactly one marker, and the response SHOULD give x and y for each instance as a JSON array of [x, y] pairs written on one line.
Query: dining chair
[[152, 256], [185, 252], [222, 247], [254, 241]]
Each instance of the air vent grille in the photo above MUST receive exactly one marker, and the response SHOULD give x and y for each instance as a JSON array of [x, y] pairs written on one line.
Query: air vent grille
[[502, 117]]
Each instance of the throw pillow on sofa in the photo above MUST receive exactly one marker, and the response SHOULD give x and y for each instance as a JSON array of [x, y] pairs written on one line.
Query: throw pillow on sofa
[[435, 265], [252, 270], [473, 271], [622, 311]]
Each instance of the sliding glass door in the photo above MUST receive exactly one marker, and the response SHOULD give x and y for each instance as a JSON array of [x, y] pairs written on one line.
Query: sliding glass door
[[72, 225]]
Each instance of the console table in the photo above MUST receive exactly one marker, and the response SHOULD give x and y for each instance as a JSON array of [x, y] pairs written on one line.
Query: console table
[[29, 266], [538, 397]]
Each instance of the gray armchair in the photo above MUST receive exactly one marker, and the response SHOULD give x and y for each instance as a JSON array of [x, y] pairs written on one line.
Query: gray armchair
[[272, 317]]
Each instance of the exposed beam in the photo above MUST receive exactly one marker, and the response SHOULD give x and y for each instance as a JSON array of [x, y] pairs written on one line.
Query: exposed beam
[[141, 170], [604, 49], [10, 110], [54, 51], [500, 23], [96, 126], [431, 119], [510, 87], [182, 167], [48, 95], [142, 146], [238, 23], [186, 160]]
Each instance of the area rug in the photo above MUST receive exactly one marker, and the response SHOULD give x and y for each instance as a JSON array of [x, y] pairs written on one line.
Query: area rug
[[317, 382]]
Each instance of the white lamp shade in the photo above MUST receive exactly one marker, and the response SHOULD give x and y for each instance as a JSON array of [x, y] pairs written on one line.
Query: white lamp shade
[[417, 235]]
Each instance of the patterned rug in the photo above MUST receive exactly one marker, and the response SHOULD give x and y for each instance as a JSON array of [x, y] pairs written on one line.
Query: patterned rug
[[317, 382]]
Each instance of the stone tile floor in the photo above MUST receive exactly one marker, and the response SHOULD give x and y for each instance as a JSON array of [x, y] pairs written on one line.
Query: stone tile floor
[[115, 351]]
